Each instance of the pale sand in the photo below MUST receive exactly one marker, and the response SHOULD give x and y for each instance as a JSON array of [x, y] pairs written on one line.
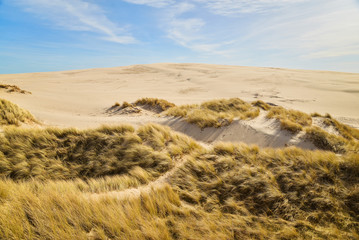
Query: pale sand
[[80, 98]]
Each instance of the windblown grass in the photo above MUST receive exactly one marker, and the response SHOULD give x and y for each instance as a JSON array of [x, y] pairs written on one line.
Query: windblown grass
[[13, 88], [69, 153], [331, 142], [262, 105], [219, 113], [274, 194], [49, 179], [158, 104], [344, 130], [151, 104], [346, 140], [12, 114], [228, 192], [216, 113], [290, 120]]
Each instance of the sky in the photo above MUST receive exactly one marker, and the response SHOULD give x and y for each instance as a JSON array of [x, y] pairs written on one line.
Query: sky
[[56, 35]]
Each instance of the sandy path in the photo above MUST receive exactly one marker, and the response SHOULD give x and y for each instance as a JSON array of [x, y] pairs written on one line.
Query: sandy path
[[136, 192]]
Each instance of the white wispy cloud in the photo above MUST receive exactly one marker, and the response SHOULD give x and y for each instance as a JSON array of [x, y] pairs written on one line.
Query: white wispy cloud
[[152, 3], [189, 31], [183, 30], [77, 15], [235, 7], [325, 29]]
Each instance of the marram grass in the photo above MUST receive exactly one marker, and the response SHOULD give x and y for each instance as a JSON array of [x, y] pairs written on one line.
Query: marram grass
[[220, 113], [216, 113], [12, 114], [50, 177], [72, 184]]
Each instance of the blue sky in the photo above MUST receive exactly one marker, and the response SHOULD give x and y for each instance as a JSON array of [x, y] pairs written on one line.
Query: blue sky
[[53, 35]]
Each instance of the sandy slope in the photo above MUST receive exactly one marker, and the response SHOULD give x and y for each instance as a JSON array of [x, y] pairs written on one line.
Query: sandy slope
[[79, 98]]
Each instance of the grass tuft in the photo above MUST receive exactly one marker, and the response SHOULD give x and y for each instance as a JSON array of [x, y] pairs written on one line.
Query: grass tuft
[[290, 120], [216, 113], [12, 114], [158, 104], [13, 88], [261, 105]]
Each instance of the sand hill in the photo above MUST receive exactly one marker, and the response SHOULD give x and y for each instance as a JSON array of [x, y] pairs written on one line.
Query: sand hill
[[79, 98]]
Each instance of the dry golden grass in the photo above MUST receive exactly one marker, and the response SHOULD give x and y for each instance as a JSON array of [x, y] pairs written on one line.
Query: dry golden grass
[[331, 142], [346, 131], [13, 88], [274, 194], [69, 153], [346, 141], [12, 114], [159, 105], [126, 104], [151, 104], [216, 113], [228, 192], [290, 120], [261, 105], [50, 180]]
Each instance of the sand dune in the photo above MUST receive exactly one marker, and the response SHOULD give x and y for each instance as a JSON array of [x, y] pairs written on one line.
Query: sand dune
[[79, 98], [259, 131]]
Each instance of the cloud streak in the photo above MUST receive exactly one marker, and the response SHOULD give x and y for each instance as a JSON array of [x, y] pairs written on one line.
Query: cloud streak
[[235, 7], [322, 30], [77, 15], [152, 3]]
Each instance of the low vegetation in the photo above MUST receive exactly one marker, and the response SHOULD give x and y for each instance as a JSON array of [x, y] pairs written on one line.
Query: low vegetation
[[273, 194], [156, 104], [79, 184], [12, 114], [290, 120], [216, 113], [69, 153], [49, 178], [347, 132], [152, 104], [331, 142], [13, 88], [222, 112]]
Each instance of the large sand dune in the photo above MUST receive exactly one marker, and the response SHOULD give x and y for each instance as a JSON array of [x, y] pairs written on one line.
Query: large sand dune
[[80, 98]]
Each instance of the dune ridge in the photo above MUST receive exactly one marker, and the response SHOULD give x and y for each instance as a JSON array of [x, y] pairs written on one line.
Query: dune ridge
[[77, 98]]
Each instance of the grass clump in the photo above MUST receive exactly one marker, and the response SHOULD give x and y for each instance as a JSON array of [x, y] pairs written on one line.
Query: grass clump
[[284, 193], [158, 104], [216, 113], [344, 130], [262, 105], [346, 139], [68, 153], [126, 105], [13, 88], [12, 114], [290, 120], [123, 106], [331, 142], [152, 104]]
